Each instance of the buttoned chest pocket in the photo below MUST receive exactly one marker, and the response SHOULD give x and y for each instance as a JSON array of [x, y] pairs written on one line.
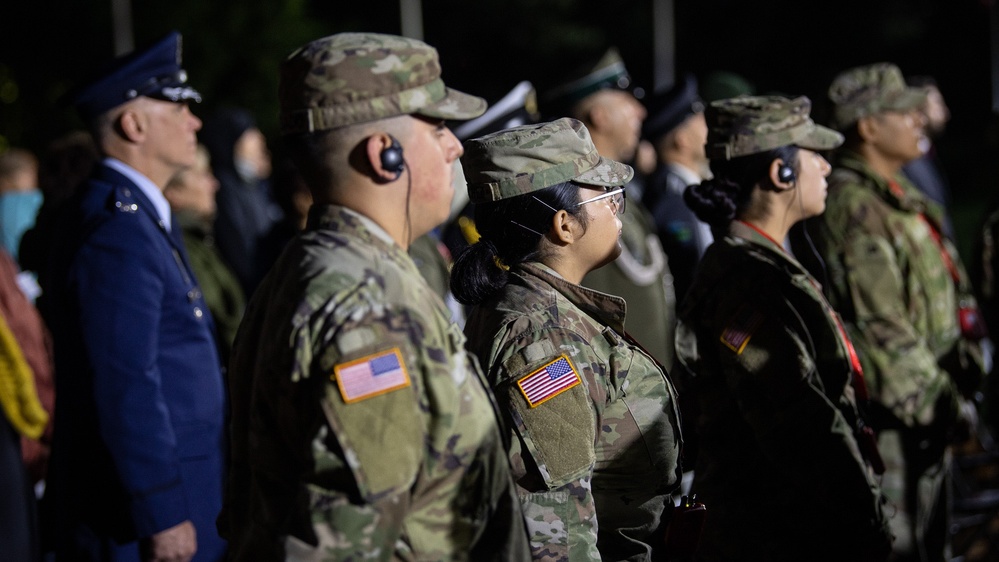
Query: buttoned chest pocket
[[638, 442]]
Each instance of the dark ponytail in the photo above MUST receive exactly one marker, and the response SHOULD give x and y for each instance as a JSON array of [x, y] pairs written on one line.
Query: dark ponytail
[[511, 231], [718, 201]]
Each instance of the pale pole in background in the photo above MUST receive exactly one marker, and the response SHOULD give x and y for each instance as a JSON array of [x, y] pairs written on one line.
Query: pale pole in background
[[663, 45], [411, 15], [121, 23]]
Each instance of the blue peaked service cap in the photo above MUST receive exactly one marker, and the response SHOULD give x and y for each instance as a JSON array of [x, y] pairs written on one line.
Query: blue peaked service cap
[[154, 72], [668, 110]]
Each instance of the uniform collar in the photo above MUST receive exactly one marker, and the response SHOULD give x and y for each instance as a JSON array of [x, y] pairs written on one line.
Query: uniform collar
[[342, 219], [907, 197], [689, 177], [744, 230], [606, 309]]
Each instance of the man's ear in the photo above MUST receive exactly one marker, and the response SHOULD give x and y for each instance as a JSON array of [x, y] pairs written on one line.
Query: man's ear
[[598, 116], [868, 128], [131, 125]]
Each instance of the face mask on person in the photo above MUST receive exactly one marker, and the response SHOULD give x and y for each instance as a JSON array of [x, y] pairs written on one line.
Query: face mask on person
[[23, 203], [246, 169]]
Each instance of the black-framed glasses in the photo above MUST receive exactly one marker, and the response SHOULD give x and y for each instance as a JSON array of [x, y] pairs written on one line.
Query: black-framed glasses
[[617, 200]]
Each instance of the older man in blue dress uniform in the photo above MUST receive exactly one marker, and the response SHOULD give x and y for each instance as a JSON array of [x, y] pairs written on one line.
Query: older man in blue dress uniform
[[137, 456]]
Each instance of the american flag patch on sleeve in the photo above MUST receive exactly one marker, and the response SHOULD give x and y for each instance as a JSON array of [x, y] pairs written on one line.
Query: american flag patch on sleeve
[[548, 381], [371, 376], [741, 329]]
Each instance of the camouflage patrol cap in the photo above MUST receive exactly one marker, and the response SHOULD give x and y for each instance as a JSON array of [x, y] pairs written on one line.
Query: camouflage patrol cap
[[532, 157], [871, 89], [351, 78], [751, 124]]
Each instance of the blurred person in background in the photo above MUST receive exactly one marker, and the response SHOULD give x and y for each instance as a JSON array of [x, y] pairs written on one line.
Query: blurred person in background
[[20, 197], [65, 163], [925, 172], [677, 129], [191, 194], [247, 210], [899, 284]]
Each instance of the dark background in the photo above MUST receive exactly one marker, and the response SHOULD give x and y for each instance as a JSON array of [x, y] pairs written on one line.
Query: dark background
[[233, 47]]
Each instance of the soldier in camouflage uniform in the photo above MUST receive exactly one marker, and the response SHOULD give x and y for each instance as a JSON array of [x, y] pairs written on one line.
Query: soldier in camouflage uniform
[[595, 430], [903, 292], [786, 465], [361, 429], [603, 100]]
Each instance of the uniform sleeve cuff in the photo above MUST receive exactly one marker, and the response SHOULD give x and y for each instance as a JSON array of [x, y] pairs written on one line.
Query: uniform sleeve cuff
[[159, 510]]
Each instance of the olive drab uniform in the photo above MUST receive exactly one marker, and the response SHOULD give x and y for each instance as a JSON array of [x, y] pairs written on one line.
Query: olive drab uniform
[[371, 431], [781, 466], [904, 294], [642, 277], [596, 434]]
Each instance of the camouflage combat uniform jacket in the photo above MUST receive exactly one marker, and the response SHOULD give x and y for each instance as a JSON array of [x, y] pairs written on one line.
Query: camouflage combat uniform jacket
[[361, 428], [779, 466], [595, 456], [895, 288], [892, 285]]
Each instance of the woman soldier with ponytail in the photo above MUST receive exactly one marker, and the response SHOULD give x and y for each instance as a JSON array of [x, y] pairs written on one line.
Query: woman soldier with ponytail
[[786, 464], [595, 439]]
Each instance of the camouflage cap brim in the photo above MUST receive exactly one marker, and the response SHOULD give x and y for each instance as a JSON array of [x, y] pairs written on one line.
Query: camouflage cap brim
[[906, 99], [752, 124], [607, 173], [454, 105], [529, 158], [820, 138]]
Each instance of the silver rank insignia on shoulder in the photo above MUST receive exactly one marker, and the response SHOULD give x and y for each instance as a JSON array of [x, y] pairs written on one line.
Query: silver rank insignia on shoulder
[[126, 207]]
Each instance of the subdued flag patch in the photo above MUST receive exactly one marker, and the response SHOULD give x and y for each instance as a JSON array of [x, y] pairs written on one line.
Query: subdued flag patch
[[549, 381], [738, 333], [371, 376]]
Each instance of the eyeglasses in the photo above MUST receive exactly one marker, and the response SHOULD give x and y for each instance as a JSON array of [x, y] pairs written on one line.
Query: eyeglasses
[[617, 200]]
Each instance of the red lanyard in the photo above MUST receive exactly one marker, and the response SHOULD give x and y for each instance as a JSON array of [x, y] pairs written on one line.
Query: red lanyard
[[859, 386], [763, 234], [858, 370]]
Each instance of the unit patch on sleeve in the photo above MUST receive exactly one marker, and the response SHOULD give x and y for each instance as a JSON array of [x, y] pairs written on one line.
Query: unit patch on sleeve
[[548, 381], [738, 332], [371, 376]]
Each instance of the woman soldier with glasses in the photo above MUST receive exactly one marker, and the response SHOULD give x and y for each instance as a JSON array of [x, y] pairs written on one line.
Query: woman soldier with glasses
[[595, 438]]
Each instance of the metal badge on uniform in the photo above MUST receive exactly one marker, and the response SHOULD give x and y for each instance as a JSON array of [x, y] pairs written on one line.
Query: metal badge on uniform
[[371, 376], [738, 333], [549, 381]]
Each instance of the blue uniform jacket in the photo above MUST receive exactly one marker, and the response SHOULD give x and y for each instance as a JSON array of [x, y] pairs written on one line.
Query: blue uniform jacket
[[138, 437]]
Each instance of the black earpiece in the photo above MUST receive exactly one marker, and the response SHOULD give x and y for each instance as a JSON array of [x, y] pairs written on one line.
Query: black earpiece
[[785, 174], [391, 157]]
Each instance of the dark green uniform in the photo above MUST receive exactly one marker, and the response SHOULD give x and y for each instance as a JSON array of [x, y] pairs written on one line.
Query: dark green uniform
[[221, 289], [779, 466]]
